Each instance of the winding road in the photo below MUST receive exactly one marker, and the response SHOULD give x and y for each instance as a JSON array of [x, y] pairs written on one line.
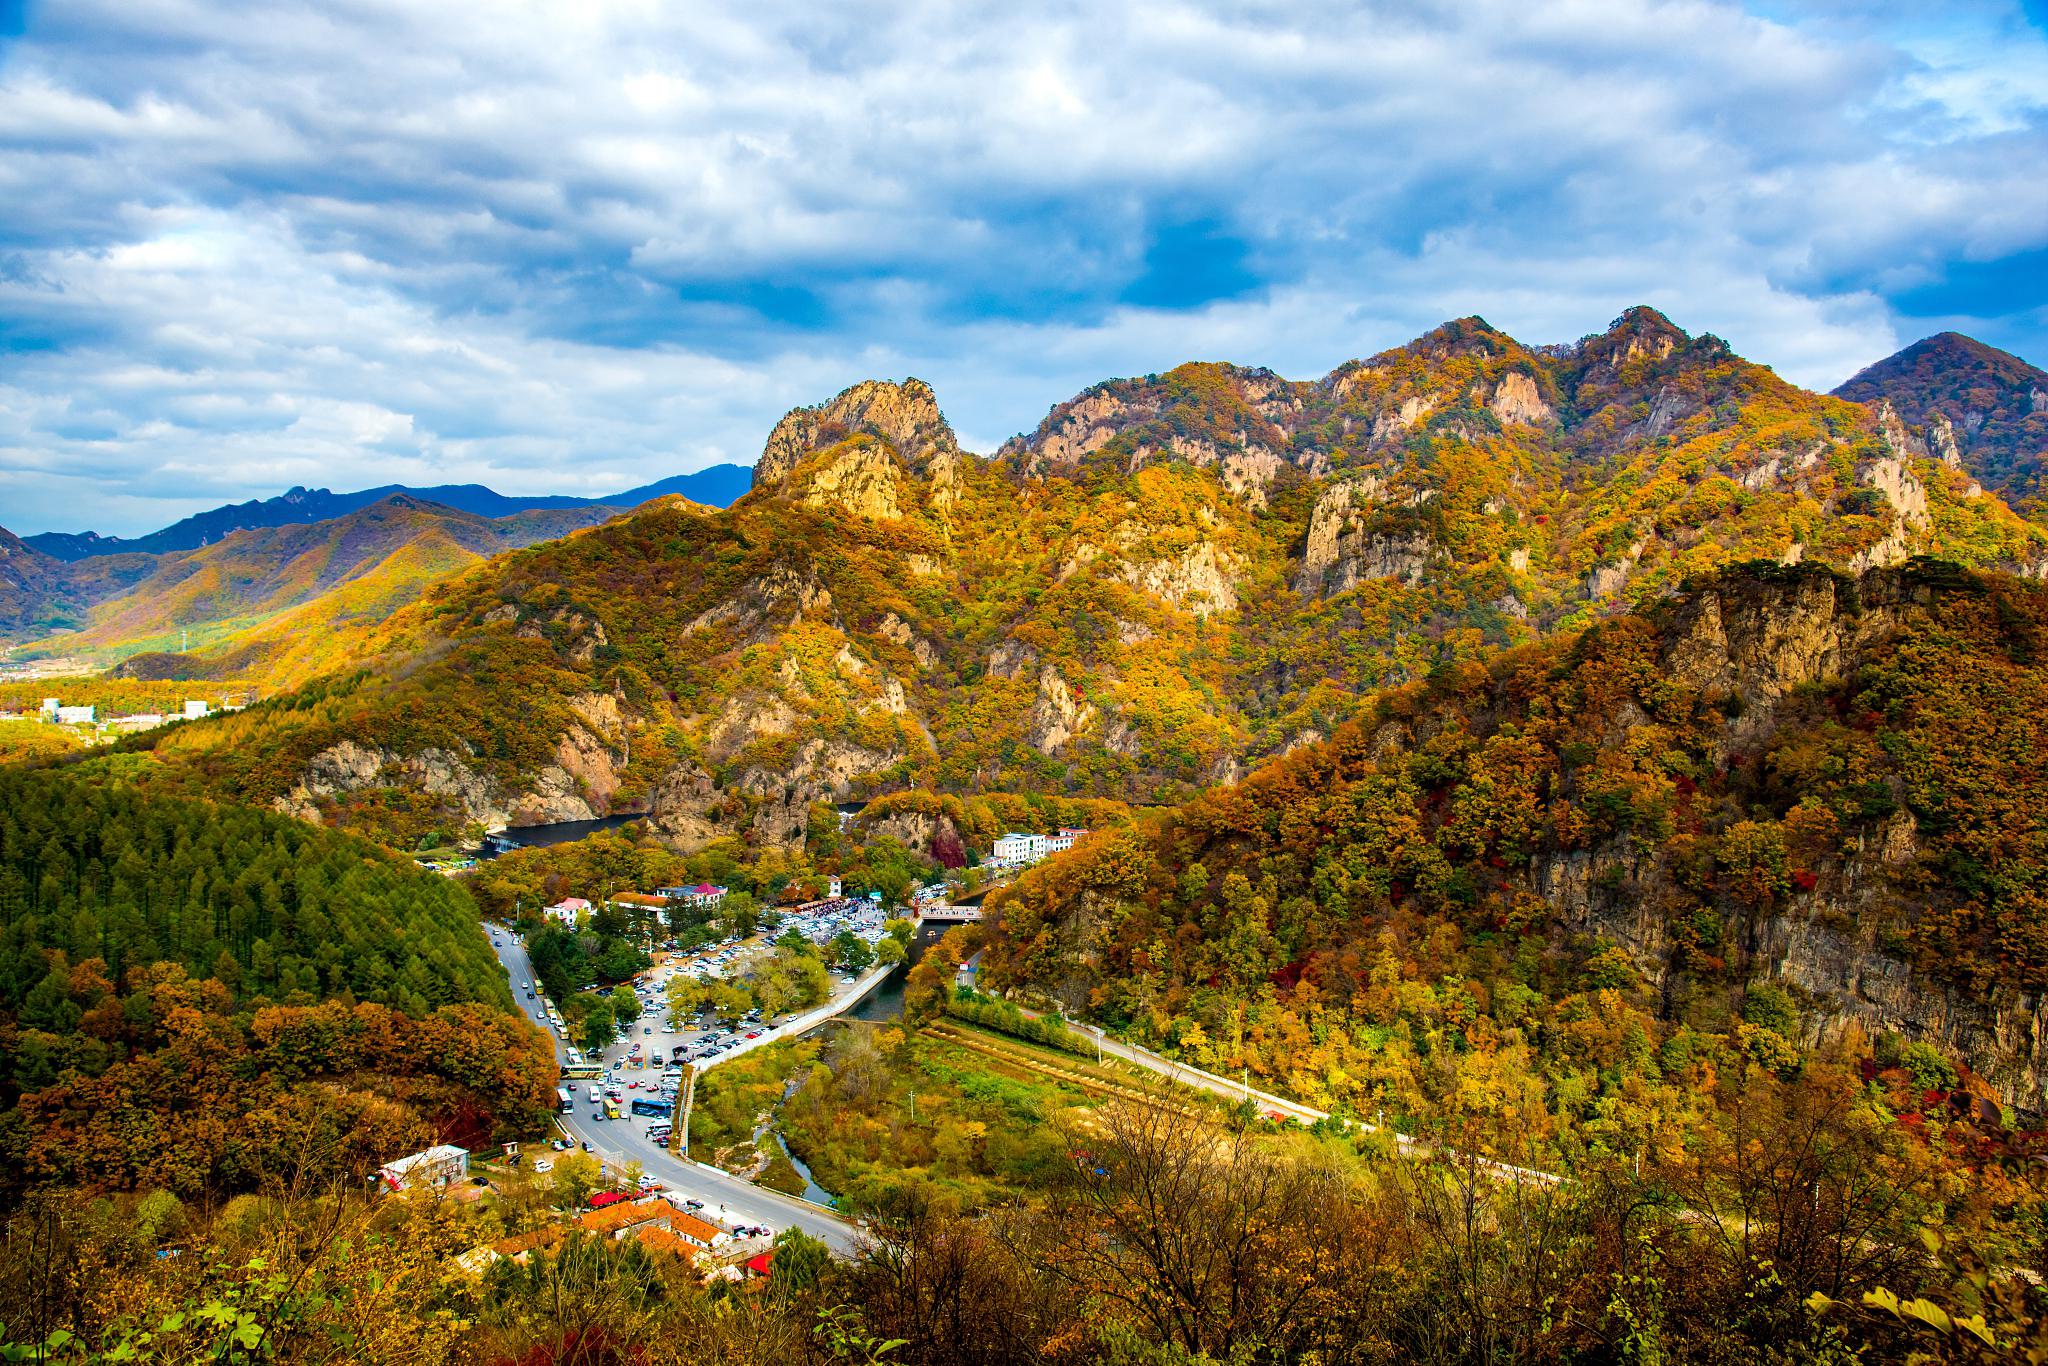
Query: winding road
[[620, 1141]]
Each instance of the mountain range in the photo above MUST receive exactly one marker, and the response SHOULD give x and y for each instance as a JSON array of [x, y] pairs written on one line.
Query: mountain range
[[716, 486], [248, 578], [1170, 579]]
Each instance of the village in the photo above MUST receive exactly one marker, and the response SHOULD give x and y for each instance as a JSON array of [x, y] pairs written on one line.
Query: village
[[597, 1203], [88, 726], [640, 1183]]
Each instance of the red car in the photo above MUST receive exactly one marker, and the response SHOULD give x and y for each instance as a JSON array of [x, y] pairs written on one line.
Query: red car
[[755, 1035]]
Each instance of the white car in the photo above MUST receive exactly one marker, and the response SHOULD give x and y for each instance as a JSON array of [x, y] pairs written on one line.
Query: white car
[[543, 1167]]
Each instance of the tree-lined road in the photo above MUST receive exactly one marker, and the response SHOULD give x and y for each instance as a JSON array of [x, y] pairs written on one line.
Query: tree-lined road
[[620, 1141]]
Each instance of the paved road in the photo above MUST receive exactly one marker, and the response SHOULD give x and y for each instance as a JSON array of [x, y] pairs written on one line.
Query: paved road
[[1270, 1103], [619, 1141]]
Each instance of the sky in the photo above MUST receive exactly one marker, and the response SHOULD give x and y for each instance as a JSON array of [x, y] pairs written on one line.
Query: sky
[[580, 245]]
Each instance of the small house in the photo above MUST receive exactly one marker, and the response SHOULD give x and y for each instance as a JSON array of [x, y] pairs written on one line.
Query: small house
[[439, 1166]]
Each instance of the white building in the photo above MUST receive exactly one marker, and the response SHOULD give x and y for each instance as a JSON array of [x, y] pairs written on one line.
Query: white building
[[1019, 848], [195, 709], [704, 896], [568, 911], [77, 716], [144, 720], [1063, 841], [832, 886], [439, 1166]]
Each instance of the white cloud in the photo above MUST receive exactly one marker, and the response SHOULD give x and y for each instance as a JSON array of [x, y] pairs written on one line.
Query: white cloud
[[581, 246]]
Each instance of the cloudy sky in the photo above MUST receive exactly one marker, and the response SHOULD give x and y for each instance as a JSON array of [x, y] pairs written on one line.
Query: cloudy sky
[[578, 245]]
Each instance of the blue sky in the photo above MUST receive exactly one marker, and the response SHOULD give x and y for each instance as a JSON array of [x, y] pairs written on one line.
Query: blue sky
[[576, 247]]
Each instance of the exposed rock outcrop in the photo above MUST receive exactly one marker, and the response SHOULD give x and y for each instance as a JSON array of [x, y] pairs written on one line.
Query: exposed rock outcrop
[[1057, 715], [1200, 580], [1345, 545], [906, 416], [1517, 400]]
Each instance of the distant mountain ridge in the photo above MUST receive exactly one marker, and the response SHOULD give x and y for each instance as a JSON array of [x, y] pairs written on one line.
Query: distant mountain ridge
[[269, 595], [1974, 406], [717, 486]]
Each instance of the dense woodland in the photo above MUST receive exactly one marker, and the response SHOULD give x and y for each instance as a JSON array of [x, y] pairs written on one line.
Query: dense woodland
[[1542, 881], [206, 999]]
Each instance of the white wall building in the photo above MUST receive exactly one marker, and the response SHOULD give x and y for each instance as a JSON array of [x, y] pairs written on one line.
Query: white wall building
[[1019, 848], [568, 910], [438, 1166], [195, 708], [77, 716]]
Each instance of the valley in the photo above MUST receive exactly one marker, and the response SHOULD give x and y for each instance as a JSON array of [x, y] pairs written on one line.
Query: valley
[[1581, 792]]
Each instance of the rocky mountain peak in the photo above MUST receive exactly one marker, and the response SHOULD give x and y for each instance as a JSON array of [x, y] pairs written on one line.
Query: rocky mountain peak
[[1978, 408], [1640, 331], [905, 415], [1461, 337]]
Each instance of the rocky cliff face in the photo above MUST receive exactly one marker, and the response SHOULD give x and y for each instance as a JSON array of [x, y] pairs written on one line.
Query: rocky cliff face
[[1783, 775], [906, 416]]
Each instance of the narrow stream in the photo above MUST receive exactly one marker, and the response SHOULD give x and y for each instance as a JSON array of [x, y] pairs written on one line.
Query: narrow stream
[[812, 1191]]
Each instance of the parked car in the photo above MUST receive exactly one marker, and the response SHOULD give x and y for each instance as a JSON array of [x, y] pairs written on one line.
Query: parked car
[[693, 1204], [543, 1166]]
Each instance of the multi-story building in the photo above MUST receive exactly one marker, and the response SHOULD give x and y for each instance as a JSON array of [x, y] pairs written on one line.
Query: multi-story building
[[1019, 848], [568, 911], [704, 896]]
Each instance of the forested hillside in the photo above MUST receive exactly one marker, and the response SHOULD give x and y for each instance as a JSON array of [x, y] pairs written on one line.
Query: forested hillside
[[1783, 803], [1977, 406], [261, 597], [204, 997], [1172, 577]]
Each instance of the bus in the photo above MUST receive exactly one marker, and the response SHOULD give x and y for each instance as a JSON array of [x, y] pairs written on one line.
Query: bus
[[644, 1105], [564, 1102], [611, 1109]]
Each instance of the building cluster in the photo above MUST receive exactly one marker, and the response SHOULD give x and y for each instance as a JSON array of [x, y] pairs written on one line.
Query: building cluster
[[55, 712], [1016, 850], [661, 1222], [703, 896]]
